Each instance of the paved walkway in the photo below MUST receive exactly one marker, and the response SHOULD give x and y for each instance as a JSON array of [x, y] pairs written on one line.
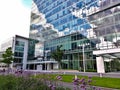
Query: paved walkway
[[112, 74], [71, 86], [76, 72]]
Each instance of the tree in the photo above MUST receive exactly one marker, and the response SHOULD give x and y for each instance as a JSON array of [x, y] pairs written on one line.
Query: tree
[[7, 57], [57, 55]]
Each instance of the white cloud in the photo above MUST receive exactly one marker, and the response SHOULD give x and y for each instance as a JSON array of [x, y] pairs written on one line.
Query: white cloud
[[14, 19]]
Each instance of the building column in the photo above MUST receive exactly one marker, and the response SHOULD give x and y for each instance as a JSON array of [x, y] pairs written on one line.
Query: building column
[[28, 67], [34, 66], [73, 61], [100, 65], [78, 61], [68, 67], [48, 66]]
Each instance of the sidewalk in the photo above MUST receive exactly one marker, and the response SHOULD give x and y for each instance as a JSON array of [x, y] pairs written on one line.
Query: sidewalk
[[76, 72], [71, 86]]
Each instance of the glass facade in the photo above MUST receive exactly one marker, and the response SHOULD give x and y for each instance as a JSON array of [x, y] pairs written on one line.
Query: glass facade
[[31, 49], [76, 24], [19, 51], [73, 51]]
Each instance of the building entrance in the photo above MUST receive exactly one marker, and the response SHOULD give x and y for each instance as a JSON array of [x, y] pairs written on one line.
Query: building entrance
[[108, 60], [112, 64]]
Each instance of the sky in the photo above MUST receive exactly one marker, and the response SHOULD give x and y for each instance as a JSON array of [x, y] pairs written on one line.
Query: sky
[[14, 18]]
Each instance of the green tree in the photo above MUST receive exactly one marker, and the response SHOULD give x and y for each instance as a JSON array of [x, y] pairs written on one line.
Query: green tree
[[7, 57], [57, 55]]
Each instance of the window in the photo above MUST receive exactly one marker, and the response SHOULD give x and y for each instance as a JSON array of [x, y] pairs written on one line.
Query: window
[[74, 46], [19, 43], [18, 54]]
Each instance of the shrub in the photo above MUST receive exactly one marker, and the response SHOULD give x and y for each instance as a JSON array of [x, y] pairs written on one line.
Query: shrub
[[10, 82]]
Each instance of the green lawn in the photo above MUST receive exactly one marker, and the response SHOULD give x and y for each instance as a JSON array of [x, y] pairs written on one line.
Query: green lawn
[[106, 82], [96, 81]]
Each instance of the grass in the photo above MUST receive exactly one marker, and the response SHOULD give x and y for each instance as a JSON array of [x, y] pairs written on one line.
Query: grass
[[106, 82], [96, 81]]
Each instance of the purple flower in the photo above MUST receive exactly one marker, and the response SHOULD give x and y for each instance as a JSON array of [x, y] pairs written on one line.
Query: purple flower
[[53, 87], [75, 88], [76, 81], [89, 77], [84, 83], [99, 89], [82, 86], [59, 77], [89, 81], [94, 88], [50, 86], [82, 80]]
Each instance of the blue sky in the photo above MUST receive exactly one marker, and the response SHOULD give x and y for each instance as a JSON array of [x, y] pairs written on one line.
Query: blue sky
[[14, 18], [27, 3]]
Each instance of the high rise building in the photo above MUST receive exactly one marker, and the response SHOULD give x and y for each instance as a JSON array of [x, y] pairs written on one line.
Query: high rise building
[[88, 30]]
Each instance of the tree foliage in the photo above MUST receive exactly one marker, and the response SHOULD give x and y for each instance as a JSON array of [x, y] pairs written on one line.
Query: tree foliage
[[7, 56], [57, 55]]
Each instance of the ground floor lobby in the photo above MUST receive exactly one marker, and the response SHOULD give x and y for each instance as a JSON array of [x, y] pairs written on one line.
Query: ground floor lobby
[[102, 61]]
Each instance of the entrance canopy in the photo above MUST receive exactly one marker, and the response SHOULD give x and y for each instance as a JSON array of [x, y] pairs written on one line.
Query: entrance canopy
[[108, 60], [108, 53]]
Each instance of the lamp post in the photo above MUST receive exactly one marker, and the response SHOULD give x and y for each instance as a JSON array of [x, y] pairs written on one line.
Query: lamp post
[[45, 59], [46, 54], [83, 57]]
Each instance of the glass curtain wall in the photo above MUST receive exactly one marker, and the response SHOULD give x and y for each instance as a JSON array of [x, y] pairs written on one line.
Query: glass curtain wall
[[73, 52], [19, 52], [106, 27], [80, 26]]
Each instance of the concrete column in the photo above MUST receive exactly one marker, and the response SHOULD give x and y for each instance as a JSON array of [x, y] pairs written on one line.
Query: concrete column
[[48, 66], [100, 65], [39, 67], [34, 66], [55, 66], [28, 66], [73, 61]]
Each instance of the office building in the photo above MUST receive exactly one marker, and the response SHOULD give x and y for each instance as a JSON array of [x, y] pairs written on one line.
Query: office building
[[19, 47], [88, 31]]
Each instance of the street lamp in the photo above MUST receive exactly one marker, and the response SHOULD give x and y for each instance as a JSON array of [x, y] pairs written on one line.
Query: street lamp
[[83, 57], [46, 59]]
